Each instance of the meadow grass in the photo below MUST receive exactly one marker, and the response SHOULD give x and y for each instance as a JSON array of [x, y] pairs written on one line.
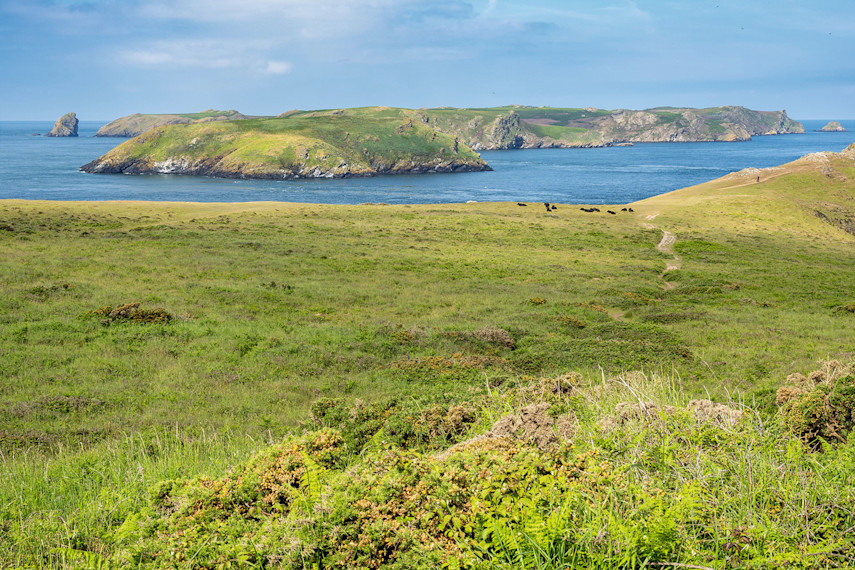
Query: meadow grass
[[390, 316]]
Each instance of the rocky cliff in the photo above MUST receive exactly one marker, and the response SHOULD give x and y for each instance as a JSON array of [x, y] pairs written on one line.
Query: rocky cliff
[[319, 146], [546, 127], [65, 126], [136, 124]]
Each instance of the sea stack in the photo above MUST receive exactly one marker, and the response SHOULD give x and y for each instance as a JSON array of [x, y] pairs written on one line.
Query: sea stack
[[66, 126], [833, 127]]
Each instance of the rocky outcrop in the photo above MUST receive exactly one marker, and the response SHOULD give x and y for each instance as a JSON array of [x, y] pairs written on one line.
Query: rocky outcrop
[[506, 132], [833, 127], [217, 167], [136, 124], [65, 126]]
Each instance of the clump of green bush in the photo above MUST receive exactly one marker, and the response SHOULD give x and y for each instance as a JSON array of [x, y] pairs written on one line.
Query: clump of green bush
[[131, 312], [404, 484], [407, 424], [489, 335], [820, 407]]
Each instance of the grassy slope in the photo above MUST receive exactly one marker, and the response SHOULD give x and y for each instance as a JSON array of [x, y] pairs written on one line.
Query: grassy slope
[[280, 304], [139, 122], [717, 223], [299, 142]]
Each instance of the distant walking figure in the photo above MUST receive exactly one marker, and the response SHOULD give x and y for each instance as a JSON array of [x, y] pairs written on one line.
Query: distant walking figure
[[547, 206], [758, 179]]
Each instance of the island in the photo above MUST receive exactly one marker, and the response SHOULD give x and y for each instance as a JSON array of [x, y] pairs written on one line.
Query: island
[[65, 126], [322, 145], [833, 127], [137, 124], [368, 141]]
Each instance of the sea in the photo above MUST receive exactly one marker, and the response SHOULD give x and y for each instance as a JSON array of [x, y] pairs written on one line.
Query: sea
[[42, 168]]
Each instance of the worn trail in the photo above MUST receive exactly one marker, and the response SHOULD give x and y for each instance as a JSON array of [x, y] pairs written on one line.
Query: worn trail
[[666, 246]]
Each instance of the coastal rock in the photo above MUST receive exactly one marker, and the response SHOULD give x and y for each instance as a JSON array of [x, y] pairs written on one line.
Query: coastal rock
[[65, 126], [833, 127], [506, 132]]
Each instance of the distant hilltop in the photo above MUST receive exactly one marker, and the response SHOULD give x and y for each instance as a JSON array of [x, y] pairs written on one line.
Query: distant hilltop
[[381, 140], [137, 124]]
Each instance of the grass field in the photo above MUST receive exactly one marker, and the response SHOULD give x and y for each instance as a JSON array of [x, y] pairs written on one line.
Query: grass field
[[403, 330]]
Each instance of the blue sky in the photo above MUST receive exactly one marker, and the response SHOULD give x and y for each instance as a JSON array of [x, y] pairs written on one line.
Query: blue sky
[[106, 58]]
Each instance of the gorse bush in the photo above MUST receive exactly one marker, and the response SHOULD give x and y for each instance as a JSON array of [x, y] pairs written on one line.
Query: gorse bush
[[820, 408], [667, 484], [132, 312]]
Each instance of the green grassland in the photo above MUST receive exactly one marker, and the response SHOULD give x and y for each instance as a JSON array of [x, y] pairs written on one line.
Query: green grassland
[[301, 386]]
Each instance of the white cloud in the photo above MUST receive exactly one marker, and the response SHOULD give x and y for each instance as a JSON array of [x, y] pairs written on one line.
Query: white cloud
[[145, 58], [205, 54], [274, 67]]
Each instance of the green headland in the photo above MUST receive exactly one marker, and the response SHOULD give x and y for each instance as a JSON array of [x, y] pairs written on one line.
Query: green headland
[[381, 140], [479, 385]]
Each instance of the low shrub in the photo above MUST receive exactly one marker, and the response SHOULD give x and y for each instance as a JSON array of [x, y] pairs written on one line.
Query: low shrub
[[131, 312], [820, 407]]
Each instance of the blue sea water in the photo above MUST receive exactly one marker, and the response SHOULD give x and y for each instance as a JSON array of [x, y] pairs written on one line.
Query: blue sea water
[[40, 168]]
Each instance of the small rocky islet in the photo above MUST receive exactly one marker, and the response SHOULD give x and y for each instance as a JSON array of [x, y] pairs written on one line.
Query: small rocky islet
[[65, 126], [833, 127]]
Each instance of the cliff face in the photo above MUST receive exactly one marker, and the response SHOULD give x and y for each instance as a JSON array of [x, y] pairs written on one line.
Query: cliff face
[[65, 126], [533, 127], [136, 124], [322, 146]]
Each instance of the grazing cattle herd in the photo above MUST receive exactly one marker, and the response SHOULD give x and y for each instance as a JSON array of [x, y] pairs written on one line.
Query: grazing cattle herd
[[553, 207]]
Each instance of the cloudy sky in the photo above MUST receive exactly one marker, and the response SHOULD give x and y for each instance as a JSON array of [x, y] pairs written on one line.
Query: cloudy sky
[[108, 58]]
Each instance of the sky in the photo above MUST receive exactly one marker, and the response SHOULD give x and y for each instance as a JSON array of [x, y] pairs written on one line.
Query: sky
[[103, 59]]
